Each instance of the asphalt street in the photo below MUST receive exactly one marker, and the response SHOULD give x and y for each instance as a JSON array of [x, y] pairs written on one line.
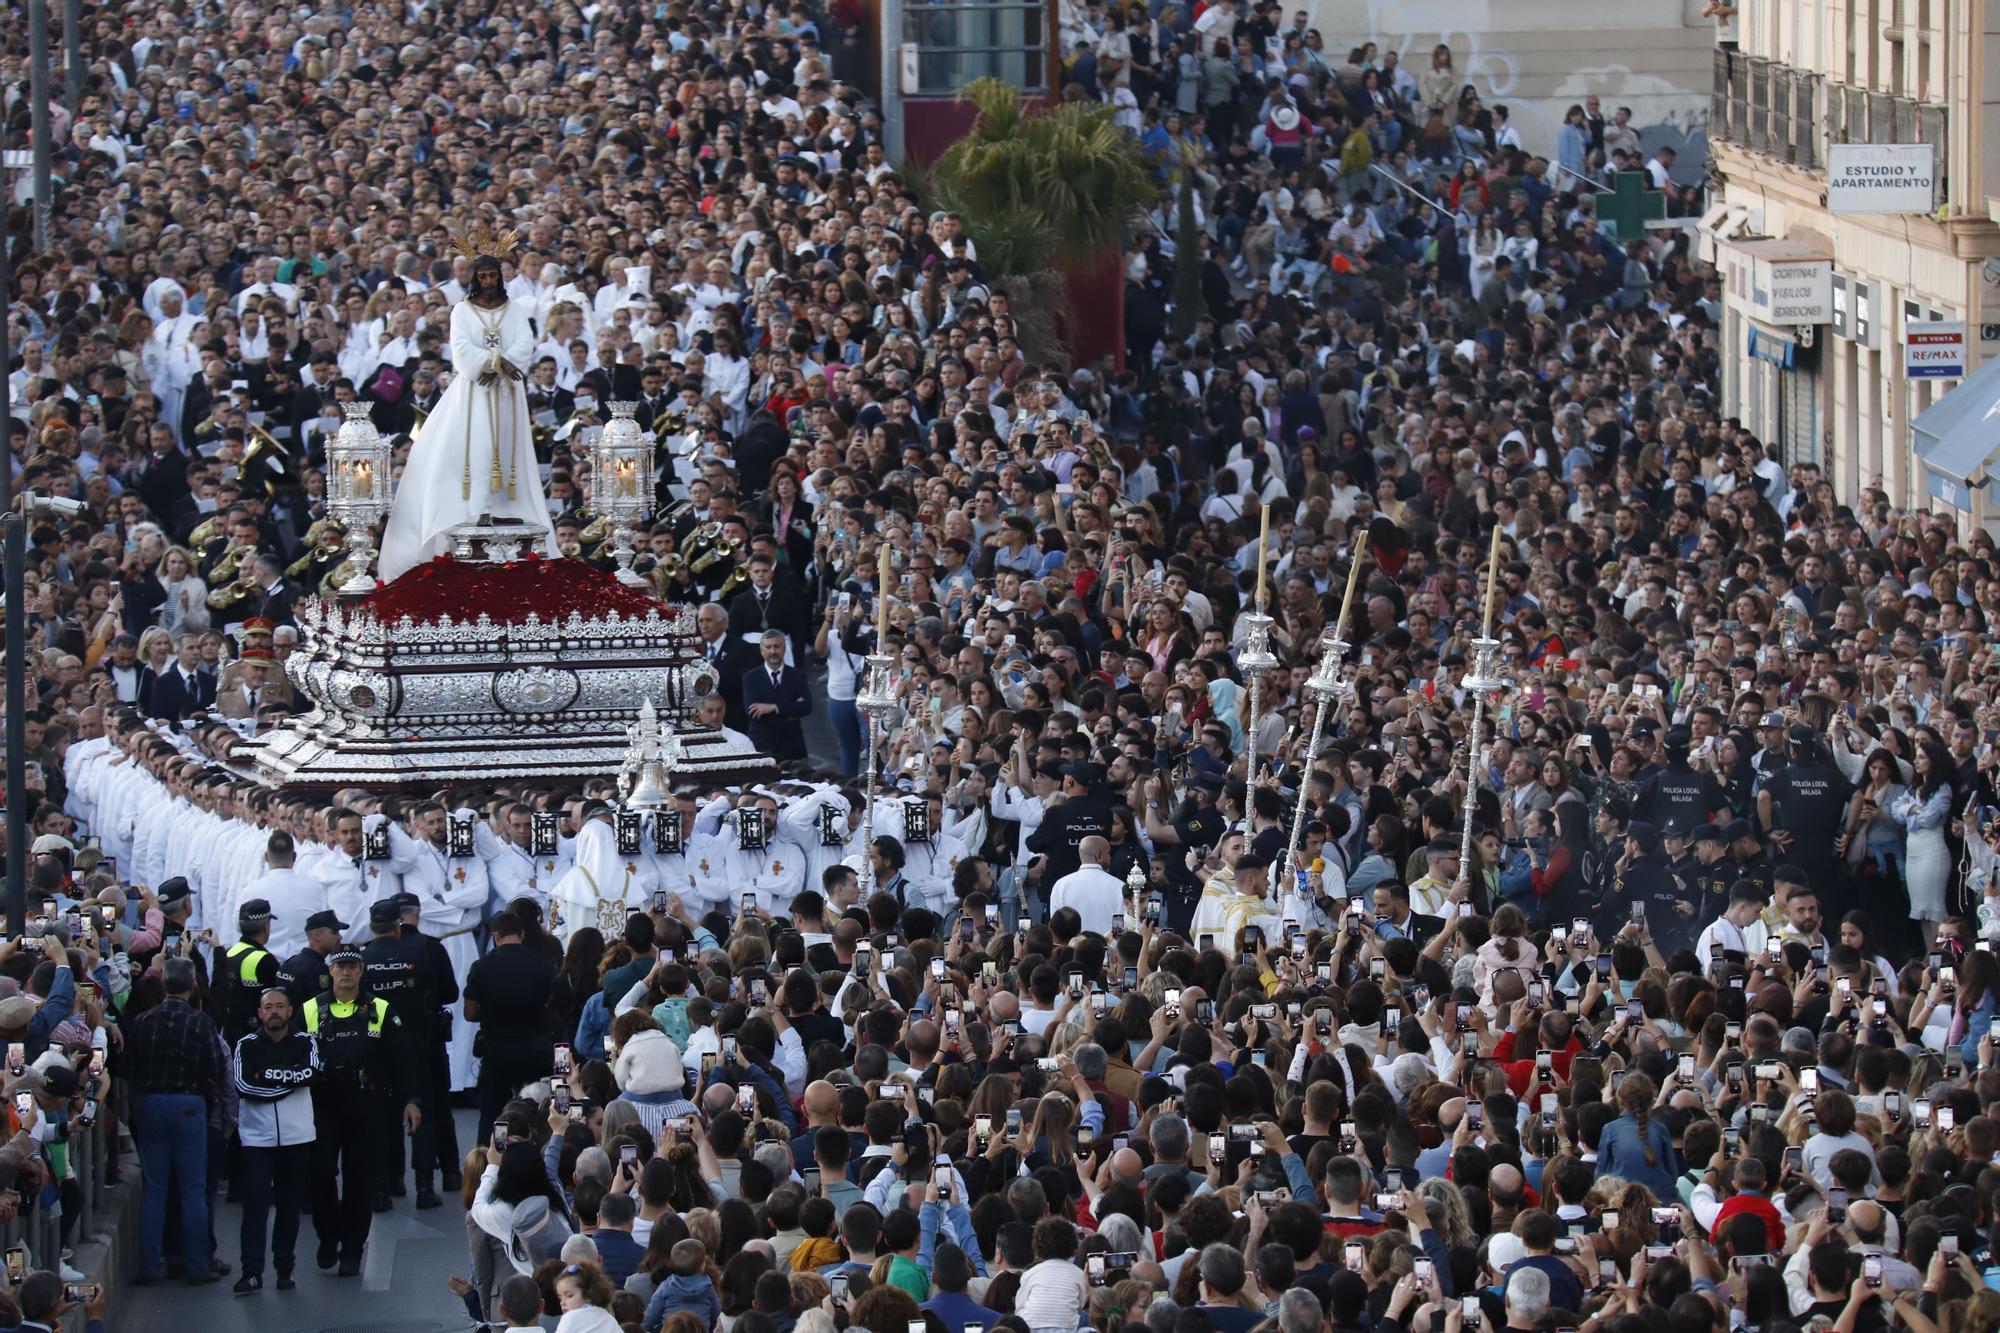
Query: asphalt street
[[401, 1288]]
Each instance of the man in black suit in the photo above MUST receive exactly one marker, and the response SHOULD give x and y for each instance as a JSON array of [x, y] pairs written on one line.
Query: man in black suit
[[163, 484], [545, 396], [733, 659], [1394, 920], [275, 593], [183, 684], [768, 603], [315, 394], [654, 398], [775, 697]]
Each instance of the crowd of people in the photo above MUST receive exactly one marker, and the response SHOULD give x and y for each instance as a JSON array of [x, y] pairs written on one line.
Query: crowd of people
[[1121, 1007]]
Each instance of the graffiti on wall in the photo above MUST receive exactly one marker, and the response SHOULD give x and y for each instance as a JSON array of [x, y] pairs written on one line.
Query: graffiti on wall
[[1665, 114]]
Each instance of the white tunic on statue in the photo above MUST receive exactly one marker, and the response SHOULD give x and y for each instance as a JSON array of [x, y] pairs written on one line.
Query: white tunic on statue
[[450, 477], [452, 893]]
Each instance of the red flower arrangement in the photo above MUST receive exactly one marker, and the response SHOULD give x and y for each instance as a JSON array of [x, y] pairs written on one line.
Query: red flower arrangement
[[509, 593]]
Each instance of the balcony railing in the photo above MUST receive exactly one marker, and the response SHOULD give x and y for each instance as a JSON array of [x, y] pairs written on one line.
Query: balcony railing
[[1791, 115]]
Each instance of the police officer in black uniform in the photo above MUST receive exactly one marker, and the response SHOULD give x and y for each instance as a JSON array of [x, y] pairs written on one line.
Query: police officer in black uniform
[[1801, 808], [439, 1141], [1200, 827], [1709, 876], [1080, 814], [244, 972], [367, 1082], [304, 974], [1643, 883], [1679, 796], [1748, 858], [397, 968], [507, 994]]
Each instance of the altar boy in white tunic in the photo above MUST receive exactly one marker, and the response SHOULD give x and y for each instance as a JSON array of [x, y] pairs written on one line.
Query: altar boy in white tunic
[[449, 882], [601, 874]]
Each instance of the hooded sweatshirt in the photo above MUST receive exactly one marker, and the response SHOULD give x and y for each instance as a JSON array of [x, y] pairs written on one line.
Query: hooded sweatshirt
[[694, 1294]]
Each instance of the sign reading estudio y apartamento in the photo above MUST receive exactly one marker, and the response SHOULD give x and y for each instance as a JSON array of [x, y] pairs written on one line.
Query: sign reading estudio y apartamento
[[1880, 177]]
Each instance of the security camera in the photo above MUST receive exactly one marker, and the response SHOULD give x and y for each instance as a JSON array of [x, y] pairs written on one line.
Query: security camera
[[55, 504]]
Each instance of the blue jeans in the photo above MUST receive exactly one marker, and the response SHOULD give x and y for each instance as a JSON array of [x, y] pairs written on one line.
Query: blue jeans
[[172, 1131], [847, 733]]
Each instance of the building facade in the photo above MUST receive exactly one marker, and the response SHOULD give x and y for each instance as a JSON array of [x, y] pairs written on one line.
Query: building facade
[[1847, 267], [1536, 58]]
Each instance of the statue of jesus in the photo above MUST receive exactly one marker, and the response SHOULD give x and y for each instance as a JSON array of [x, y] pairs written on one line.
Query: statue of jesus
[[473, 460]]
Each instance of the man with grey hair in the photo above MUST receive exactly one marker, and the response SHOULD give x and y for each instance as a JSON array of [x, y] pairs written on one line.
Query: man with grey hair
[[593, 1163], [1222, 1274], [1027, 1200], [776, 699], [1299, 1311], [1527, 1298], [1169, 1136], [1122, 1233], [777, 1157]]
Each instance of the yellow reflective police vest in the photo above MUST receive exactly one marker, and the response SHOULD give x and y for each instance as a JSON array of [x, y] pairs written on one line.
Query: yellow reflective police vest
[[247, 958], [378, 1012]]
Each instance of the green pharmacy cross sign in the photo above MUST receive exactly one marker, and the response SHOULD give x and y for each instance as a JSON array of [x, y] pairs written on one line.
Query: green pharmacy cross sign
[[1628, 206]]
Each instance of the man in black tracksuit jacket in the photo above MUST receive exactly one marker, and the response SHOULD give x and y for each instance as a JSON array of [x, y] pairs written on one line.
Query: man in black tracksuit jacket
[[275, 1067]]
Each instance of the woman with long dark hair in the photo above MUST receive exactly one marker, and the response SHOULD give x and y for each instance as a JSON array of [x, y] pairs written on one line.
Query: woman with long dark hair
[[1923, 810], [577, 981], [519, 1206]]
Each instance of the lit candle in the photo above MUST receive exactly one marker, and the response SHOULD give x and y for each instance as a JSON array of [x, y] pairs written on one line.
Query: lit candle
[[364, 478], [882, 600], [1263, 553], [1353, 579], [1492, 580]]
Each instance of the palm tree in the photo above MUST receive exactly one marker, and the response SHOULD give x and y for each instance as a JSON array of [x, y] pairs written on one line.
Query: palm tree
[[1041, 189]]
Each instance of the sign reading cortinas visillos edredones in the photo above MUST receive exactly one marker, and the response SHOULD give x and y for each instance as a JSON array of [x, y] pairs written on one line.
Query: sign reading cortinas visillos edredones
[[1880, 177]]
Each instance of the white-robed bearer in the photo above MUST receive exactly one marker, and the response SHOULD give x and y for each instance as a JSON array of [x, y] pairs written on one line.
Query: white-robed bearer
[[746, 852], [343, 873], [825, 825], [931, 856], [512, 868], [292, 894], [449, 884]]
